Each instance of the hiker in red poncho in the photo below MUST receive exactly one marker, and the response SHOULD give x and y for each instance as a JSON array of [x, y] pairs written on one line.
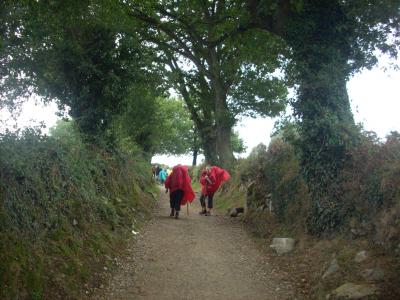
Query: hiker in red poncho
[[178, 184], [210, 179]]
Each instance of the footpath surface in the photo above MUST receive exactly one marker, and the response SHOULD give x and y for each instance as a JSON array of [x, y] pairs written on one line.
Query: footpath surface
[[195, 257]]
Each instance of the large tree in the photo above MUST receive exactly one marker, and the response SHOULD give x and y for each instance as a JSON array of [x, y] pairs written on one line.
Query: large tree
[[329, 41], [219, 76], [80, 53]]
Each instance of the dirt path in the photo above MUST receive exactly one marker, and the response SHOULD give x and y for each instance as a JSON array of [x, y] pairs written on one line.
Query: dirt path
[[195, 257]]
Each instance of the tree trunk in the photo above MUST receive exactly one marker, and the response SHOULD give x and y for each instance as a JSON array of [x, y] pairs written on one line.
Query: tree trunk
[[224, 124], [203, 124], [223, 119], [319, 37], [209, 145], [224, 147], [194, 162], [328, 132], [195, 148]]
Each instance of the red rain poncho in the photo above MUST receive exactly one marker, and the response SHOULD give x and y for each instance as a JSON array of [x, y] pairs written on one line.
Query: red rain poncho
[[216, 177], [203, 182], [179, 179]]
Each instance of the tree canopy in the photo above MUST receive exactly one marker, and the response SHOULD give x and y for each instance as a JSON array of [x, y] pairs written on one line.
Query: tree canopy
[[220, 76], [84, 58]]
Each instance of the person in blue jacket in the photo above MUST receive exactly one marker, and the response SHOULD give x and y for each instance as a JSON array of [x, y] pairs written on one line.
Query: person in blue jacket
[[162, 176]]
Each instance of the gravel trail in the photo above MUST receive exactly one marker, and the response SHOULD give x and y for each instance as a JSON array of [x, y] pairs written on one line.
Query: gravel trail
[[195, 257]]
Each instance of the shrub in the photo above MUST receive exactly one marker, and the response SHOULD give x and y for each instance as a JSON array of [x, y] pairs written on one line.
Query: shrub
[[371, 186], [366, 194], [63, 204], [281, 181]]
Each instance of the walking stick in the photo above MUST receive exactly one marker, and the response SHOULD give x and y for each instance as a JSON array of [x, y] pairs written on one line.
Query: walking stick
[[187, 208]]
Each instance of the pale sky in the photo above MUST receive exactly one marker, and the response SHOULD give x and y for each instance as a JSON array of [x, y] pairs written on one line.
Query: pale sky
[[375, 102], [374, 95], [32, 114]]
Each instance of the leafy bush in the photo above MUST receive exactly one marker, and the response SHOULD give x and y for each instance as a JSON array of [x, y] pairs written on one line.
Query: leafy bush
[[270, 184], [366, 194], [371, 187], [274, 180], [63, 204]]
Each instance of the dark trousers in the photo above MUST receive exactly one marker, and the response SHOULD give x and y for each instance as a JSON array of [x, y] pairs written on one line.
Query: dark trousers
[[209, 202], [175, 199]]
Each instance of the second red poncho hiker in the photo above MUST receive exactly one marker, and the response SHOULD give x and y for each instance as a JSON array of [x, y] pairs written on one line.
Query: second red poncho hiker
[[210, 179]]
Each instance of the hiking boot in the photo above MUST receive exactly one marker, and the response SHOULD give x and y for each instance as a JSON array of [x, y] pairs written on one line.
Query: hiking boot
[[172, 212], [177, 215], [203, 212]]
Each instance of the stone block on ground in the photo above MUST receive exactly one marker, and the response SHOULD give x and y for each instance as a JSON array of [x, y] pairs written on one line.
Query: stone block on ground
[[234, 212], [354, 291], [361, 256], [333, 268], [374, 274], [283, 245]]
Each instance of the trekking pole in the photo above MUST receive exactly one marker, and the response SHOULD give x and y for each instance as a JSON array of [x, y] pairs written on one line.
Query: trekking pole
[[187, 208]]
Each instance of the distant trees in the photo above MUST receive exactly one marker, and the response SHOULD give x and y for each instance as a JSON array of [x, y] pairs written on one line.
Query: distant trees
[[157, 125], [162, 126]]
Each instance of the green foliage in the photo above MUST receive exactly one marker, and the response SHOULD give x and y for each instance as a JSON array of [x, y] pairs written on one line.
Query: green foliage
[[220, 71], [157, 125], [161, 125], [329, 41], [287, 128], [375, 185], [270, 185], [275, 177], [174, 133], [109, 61], [327, 130], [64, 205], [92, 59], [237, 143], [366, 187], [86, 57], [367, 190]]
